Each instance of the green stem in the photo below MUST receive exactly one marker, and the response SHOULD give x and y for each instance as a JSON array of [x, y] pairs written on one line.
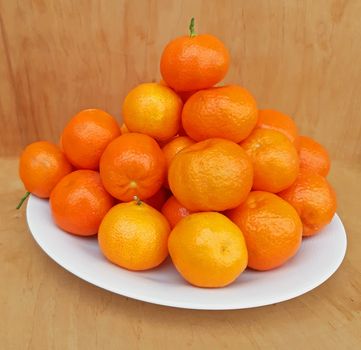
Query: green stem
[[22, 200], [137, 199], [192, 32]]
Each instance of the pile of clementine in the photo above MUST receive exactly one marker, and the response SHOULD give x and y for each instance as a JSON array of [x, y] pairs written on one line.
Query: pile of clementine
[[196, 171]]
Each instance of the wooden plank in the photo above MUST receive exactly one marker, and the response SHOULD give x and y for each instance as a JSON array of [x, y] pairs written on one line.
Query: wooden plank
[[58, 57]]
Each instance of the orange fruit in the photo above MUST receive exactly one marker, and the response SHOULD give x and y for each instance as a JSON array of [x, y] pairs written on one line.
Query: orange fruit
[[212, 175], [174, 147], [314, 199], [134, 236], [154, 110], [274, 158], [86, 136], [158, 199], [275, 120], [208, 249], [229, 112], [194, 62], [123, 129], [42, 165], [174, 211], [185, 95], [132, 165], [79, 202], [163, 143], [271, 227], [313, 156]]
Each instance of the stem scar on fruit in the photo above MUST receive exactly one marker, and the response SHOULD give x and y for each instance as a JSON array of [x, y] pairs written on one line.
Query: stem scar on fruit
[[191, 28], [137, 200]]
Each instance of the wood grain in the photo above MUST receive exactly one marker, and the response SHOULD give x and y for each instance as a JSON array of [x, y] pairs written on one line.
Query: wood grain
[[42, 306], [58, 57]]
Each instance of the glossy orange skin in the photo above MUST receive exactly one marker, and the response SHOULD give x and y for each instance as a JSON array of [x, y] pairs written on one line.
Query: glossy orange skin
[[174, 211], [79, 202], [134, 236], [194, 63], [229, 112], [132, 165], [163, 143], [174, 147], [42, 165], [212, 175], [275, 120], [271, 227], [313, 156], [314, 199], [154, 110], [87, 135], [157, 200], [275, 160], [208, 250]]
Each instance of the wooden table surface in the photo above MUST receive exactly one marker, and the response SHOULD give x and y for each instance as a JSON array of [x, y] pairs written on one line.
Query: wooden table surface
[[42, 306]]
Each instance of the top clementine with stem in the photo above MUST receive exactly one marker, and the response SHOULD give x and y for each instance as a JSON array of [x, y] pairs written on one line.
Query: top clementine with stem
[[194, 62]]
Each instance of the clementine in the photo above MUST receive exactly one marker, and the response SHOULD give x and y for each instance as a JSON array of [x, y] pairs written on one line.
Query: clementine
[[274, 158], [134, 236], [228, 112], [132, 165], [208, 250], [42, 165], [79, 202], [211, 175], [174, 147], [86, 136], [275, 120], [154, 110], [194, 62], [313, 156], [174, 211], [271, 227], [314, 199], [158, 199]]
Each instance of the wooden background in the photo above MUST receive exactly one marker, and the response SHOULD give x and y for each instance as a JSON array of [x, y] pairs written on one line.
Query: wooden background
[[60, 56]]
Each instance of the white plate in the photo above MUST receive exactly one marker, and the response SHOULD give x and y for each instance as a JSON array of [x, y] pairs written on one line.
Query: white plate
[[318, 258]]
